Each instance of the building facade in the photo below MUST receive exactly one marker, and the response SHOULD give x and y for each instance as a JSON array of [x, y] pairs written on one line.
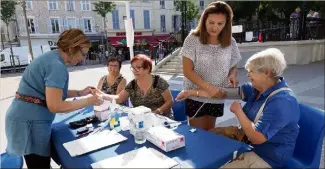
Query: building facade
[[152, 20]]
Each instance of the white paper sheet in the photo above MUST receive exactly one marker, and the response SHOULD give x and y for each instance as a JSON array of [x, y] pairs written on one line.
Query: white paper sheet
[[140, 158], [93, 142]]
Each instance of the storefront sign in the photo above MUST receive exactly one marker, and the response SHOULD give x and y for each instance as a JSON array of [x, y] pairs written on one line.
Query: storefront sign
[[52, 43], [124, 33]]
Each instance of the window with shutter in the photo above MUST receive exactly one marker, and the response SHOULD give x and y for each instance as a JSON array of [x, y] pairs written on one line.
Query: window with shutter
[[146, 19], [133, 18], [162, 23], [55, 27], [53, 4], [70, 5], [115, 18], [31, 25], [87, 25]]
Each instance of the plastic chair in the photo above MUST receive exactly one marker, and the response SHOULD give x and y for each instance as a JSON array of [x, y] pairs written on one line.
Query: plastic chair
[[178, 107], [11, 161], [308, 148]]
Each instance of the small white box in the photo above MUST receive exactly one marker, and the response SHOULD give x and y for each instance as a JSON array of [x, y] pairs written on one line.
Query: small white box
[[164, 138]]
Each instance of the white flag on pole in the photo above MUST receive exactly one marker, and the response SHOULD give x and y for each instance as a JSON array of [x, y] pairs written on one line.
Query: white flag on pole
[[129, 32]]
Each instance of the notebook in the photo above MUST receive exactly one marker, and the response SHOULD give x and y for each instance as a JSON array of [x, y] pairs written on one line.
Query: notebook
[[93, 142]]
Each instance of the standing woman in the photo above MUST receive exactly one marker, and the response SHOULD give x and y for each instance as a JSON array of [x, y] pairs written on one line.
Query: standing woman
[[210, 56], [41, 94]]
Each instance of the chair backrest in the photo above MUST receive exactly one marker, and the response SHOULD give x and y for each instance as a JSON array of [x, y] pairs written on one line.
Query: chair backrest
[[178, 107], [310, 139], [11, 161]]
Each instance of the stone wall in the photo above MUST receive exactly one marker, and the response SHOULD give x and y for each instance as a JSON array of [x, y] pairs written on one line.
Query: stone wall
[[296, 52]]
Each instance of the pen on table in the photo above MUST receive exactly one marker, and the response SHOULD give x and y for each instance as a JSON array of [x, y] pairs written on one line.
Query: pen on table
[[83, 134]]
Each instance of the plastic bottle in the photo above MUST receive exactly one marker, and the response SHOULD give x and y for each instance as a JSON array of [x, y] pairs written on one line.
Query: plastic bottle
[[117, 125], [139, 133]]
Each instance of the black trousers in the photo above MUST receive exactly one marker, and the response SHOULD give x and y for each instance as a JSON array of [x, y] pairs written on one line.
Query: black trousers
[[36, 161]]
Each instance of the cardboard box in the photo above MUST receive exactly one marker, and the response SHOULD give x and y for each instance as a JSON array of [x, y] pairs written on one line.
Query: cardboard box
[[164, 138]]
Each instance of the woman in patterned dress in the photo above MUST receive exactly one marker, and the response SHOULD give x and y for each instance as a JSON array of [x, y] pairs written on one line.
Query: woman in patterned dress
[[146, 89], [114, 82], [210, 56]]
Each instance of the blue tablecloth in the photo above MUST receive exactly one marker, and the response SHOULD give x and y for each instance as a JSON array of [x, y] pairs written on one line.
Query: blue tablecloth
[[203, 149]]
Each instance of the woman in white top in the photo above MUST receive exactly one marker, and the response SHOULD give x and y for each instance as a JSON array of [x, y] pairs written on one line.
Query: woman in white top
[[210, 56]]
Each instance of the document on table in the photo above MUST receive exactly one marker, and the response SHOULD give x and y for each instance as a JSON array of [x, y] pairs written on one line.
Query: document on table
[[93, 142], [140, 158]]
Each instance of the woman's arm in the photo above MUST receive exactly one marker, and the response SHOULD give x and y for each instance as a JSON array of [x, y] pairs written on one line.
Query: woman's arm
[[120, 98], [121, 86], [166, 107], [248, 126], [73, 93], [184, 94], [100, 83], [56, 105]]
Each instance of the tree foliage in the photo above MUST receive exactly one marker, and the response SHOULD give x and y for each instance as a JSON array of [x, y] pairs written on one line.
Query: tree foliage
[[103, 7], [8, 10], [192, 10]]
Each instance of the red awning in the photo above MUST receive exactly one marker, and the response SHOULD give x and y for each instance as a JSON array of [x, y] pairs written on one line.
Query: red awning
[[121, 40]]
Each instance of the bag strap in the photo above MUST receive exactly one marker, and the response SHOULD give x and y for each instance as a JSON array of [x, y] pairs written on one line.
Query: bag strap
[[259, 113], [155, 82]]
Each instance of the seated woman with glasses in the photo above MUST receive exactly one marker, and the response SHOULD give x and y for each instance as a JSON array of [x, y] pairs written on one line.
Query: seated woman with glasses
[[114, 82], [147, 90]]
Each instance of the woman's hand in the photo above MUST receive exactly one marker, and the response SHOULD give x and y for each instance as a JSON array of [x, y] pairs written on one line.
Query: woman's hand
[[95, 100], [184, 94], [216, 92], [232, 80], [236, 107], [86, 91]]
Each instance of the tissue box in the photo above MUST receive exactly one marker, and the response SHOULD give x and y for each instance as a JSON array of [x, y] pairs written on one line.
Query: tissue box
[[164, 138]]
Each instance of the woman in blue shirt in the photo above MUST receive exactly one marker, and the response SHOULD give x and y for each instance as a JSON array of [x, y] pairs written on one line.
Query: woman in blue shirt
[[41, 94], [274, 133]]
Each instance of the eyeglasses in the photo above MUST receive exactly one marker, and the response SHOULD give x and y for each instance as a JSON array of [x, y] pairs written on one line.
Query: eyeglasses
[[136, 69]]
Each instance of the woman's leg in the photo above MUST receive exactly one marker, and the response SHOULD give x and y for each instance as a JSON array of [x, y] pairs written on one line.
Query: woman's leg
[[36, 161], [204, 122], [248, 160]]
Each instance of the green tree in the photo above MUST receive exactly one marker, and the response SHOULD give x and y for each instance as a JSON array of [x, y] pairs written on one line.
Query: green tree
[[243, 9], [102, 8], [192, 10], [8, 8]]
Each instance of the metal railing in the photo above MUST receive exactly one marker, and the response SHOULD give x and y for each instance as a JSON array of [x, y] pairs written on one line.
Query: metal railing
[[282, 30], [164, 48]]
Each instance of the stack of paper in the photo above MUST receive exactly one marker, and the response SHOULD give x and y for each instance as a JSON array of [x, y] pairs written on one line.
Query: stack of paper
[[140, 158], [93, 142]]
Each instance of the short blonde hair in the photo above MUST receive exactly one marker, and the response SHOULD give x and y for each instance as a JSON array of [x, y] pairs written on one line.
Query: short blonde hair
[[272, 59]]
